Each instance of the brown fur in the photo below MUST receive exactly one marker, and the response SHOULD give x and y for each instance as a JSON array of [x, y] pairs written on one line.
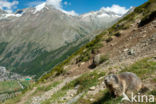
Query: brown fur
[[125, 82]]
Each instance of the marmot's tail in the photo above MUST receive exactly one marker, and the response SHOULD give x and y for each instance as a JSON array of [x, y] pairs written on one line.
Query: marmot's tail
[[144, 89]]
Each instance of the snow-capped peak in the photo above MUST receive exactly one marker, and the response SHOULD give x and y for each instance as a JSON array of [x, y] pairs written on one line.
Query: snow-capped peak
[[100, 14], [40, 7], [114, 11], [5, 15]]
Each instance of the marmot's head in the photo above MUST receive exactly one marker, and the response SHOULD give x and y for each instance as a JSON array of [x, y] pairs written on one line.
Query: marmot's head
[[111, 81]]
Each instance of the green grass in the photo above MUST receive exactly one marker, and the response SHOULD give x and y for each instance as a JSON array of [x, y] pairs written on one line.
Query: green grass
[[104, 58], [46, 88], [142, 68], [153, 92], [102, 97], [9, 86], [55, 97], [17, 99], [26, 84], [13, 101], [85, 81], [86, 52], [106, 98], [154, 79]]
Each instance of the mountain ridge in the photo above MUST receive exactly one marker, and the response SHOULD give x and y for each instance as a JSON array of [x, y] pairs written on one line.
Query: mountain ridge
[[30, 33]]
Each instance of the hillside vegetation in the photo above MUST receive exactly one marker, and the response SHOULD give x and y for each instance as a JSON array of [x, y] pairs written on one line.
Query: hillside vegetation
[[128, 46], [86, 52]]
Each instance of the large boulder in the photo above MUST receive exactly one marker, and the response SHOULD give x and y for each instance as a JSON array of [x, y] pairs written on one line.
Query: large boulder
[[100, 58]]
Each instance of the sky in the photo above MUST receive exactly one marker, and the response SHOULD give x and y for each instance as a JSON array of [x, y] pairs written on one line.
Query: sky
[[73, 6]]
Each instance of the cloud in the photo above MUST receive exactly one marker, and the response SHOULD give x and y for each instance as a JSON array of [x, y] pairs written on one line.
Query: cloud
[[58, 5], [8, 6], [116, 9], [34, 3], [73, 13], [65, 3]]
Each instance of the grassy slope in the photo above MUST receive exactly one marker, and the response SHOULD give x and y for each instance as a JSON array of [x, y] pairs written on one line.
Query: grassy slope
[[87, 80], [12, 86], [85, 53], [8, 86], [143, 68]]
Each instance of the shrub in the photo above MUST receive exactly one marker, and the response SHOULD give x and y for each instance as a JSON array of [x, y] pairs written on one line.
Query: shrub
[[85, 56], [153, 92], [109, 39], [117, 34], [147, 19], [104, 58]]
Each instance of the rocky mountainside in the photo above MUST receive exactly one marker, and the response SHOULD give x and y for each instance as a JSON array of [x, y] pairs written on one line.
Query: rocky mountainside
[[128, 46], [32, 35]]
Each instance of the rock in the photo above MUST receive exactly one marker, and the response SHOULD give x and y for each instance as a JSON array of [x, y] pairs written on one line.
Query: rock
[[71, 95], [112, 44], [100, 78], [152, 39], [125, 50], [143, 36], [98, 59], [66, 67], [91, 99], [64, 98], [131, 52], [76, 87], [154, 57], [82, 63], [92, 88]]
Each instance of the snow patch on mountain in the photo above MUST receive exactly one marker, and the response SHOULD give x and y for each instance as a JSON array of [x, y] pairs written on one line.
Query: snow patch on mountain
[[7, 15], [53, 4], [12, 15], [40, 7], [114, 11]]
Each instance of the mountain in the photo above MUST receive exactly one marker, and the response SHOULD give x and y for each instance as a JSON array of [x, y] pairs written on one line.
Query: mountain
[[2, 12], [31, 35], [101, 18], [127, 46]]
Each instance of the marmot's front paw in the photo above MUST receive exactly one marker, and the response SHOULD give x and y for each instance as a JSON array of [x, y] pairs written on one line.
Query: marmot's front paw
[[118, 93]]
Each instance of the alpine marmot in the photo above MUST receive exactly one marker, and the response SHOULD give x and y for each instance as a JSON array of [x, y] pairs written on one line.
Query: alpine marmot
[[125, 82]]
